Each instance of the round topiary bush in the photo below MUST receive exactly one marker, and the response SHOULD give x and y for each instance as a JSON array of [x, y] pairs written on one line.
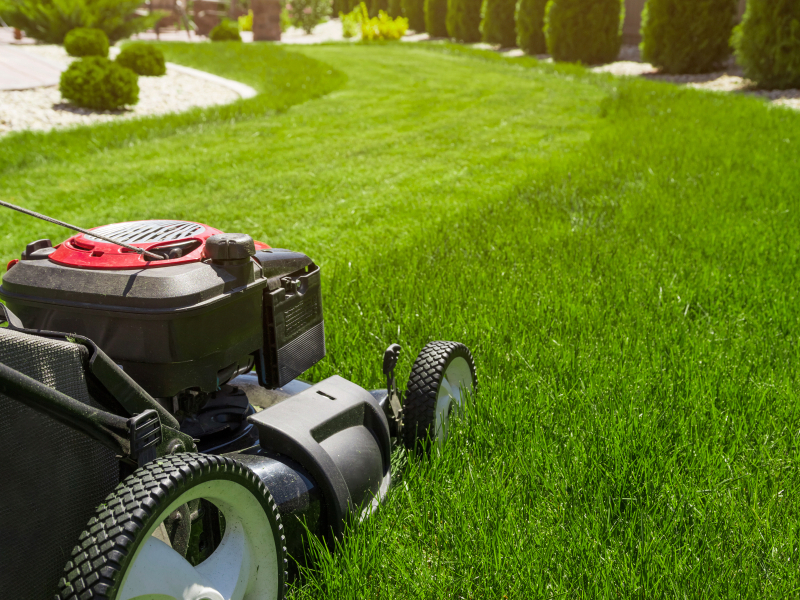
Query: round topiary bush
[[767, 43], [687, 36], [436, 17], [98, 83], [530, 26], [85, 41], [464, 20], [226, 31], [587, 31], [498, 26], [414, 11], [143, 59]]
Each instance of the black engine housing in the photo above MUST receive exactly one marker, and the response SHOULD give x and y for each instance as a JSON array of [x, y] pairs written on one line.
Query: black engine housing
[[186, 326]]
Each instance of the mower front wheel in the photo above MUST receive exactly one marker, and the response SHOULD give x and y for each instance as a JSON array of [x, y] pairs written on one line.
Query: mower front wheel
[[441, 378], [125, 553]]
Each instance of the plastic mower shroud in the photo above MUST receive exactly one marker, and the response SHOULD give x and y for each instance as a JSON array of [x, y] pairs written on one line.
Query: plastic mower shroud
[[176, 450]]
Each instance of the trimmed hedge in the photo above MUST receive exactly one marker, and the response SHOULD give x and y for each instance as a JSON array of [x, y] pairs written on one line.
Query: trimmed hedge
[[464, 20], [498, 26], [85, 41], [98, 83], [436, 17], [226, 31], [143, 59], [414, 11], [530, 26], [767, 43], [687, 36], [586, 31]]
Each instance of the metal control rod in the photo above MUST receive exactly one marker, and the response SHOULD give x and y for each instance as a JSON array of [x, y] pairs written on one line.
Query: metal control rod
[[31, 213]]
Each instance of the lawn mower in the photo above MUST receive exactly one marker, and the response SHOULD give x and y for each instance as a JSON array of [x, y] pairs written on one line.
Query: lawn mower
[[157, 440]]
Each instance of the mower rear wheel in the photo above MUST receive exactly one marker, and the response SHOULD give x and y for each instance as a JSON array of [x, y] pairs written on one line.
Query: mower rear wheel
[[442, 376], [125, 554]]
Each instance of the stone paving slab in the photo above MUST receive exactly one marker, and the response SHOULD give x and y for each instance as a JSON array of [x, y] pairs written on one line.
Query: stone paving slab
[[20, 70]]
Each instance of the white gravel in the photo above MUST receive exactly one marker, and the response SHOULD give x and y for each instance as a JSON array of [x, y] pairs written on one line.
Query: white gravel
[[729, 79], [43, 108]]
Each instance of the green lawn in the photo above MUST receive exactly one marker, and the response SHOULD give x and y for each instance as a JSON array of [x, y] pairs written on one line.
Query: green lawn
[[622, 256]]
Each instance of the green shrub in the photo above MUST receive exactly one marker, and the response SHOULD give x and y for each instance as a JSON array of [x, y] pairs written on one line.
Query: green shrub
[[767, 43], [246, 21], [351, 24], [436, 17], [226, 31], [687, 36], [84, 41], [382, 27], [498, 25], [530, 26], [143, 59], [587, 31], [395, 8], [49, 21], [464, 20], [96, 82], [307, 14], [414, 11]]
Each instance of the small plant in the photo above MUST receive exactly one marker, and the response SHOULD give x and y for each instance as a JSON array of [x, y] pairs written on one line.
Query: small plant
[[414, 11], [85, 41], [464, 20], [351, 24], [226, 31], [530, 26], [586, 31], [767, 43], [436, 17], [380, 28], [246, 21], [98, 83], [143, 59], [49, 21], [498, 26], [687, 36], [307, 14]]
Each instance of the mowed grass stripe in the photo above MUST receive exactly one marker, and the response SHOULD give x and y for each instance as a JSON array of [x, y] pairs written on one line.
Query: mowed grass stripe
[[622, 261]]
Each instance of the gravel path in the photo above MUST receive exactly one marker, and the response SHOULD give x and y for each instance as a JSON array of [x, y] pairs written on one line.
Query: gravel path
[[730, 79], [43, 108]]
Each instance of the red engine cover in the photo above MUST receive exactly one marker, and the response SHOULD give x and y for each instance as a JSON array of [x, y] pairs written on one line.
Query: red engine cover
[[88, 252]]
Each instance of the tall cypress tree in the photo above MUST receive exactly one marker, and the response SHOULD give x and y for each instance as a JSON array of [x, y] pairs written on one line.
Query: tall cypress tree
[[587, 31], [530, 26], [767, 43], [687, 36], [436, 17], [395, 8], [378, 5], [498, 25], [414, 11], [464, 20]]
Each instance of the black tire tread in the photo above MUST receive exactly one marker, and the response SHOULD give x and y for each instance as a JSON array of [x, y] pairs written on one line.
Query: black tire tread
[[419, 409], [94, 569]]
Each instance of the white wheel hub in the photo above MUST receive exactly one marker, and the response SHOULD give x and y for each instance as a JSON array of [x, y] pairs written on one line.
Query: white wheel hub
[[456, 382], [243, 567]]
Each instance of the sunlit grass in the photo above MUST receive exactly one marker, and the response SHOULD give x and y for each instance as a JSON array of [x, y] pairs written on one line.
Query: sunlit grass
[[621, 256]]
